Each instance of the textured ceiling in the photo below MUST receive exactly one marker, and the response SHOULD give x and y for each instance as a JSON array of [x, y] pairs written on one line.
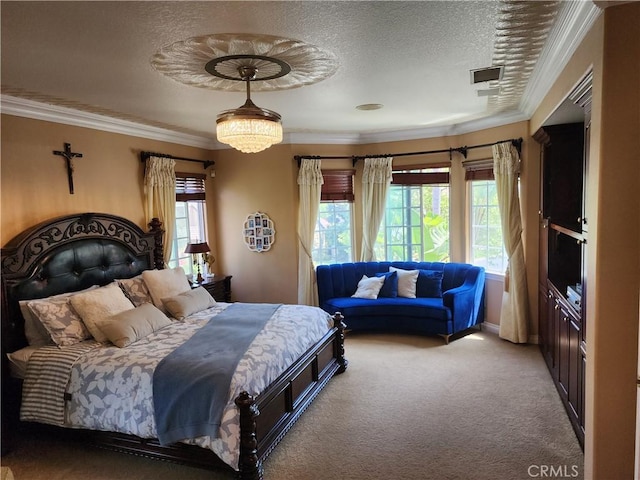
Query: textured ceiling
[[413, 57]]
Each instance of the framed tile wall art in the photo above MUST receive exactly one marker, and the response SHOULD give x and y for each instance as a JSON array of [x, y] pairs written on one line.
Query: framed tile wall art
[[258, 232]]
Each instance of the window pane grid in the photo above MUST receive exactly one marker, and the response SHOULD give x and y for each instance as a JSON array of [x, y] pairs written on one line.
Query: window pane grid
[[416, 222], [486, 245], [332, 236], [189, 228]]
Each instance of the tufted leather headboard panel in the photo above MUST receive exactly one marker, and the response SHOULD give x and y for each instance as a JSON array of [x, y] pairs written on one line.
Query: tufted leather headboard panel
[[68, 254], [79, 265]]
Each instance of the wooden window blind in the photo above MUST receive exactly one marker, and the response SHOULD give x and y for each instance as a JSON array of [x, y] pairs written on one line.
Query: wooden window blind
[[190, 186], [478, 170], [486, 174], [337, 186], [405, 177]]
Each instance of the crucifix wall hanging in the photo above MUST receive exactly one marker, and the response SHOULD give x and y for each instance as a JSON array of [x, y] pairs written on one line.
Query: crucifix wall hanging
[[68, 155]]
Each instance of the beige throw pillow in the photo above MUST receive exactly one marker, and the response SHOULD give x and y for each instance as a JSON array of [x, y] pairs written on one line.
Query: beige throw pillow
[[132, 325], [407, 280], [98, 304], [165, 283], [189, 302], [368, 287]]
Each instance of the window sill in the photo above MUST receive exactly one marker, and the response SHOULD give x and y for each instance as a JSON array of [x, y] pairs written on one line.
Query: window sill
[[498, 277]]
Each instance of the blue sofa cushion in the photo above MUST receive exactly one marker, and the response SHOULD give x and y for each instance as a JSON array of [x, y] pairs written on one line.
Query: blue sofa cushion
[[432, 308], [390, 286], [429, 284]]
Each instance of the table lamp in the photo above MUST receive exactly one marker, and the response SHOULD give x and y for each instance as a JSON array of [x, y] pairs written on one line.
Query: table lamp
[[195, 249]]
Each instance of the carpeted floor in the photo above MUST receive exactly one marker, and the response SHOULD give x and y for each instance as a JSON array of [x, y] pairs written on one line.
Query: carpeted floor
[[408, 408]]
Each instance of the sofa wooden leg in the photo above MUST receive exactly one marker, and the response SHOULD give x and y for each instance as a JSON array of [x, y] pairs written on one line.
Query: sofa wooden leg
[[446, 338]]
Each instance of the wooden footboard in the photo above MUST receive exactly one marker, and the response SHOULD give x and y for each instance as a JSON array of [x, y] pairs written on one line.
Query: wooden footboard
[[265, 420]]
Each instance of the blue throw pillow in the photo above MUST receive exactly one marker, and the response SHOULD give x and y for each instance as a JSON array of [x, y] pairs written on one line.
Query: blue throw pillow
[[390, 286], [429, 284]]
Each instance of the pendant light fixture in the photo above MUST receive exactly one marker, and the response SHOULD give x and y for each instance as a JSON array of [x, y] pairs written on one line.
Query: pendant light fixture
[[249, 128], [264, 62]]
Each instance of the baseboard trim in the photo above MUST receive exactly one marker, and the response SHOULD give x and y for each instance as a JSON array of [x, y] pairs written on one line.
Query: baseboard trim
[[495, 329], [491, 327]]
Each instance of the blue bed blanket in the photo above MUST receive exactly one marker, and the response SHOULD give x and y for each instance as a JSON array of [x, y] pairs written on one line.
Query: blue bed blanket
[[191, 384]]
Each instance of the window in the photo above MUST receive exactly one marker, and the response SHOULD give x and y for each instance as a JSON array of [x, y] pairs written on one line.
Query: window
[[415, 226], [332, 242], [190, 218], [486, 247]]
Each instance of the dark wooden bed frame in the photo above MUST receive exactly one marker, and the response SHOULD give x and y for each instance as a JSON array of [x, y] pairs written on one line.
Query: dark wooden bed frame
[[76, 251]]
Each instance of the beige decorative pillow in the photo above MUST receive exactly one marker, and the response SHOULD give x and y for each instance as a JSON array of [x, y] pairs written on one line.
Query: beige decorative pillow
[[186, 303], [100, 303], [60, 319], [132, 325], [407, 280], [136, 290], [369, 287], [165, 283]]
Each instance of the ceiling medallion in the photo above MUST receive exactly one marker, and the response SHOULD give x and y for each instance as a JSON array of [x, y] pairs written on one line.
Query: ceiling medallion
[[193, 61]]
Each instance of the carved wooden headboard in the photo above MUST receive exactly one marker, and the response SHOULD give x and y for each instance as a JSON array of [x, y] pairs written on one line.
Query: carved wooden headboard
[[71, 253]]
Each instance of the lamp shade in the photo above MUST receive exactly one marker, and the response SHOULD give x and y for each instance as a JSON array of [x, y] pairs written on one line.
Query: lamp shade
[[202, 247]]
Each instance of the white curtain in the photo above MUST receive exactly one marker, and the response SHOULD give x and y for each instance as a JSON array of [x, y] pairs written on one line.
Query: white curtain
[[513, 314], [376, 178], [160, 197], [310, 185]]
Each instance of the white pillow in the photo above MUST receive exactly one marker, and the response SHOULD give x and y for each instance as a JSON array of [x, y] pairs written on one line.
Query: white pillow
[[95, 305], [19, 359], [132, 325], [407, 281], [165, 283], [186, 303], [368, 287]]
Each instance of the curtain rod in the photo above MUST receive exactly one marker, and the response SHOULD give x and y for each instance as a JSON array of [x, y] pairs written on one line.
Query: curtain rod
[[205, 163], [516, 142]]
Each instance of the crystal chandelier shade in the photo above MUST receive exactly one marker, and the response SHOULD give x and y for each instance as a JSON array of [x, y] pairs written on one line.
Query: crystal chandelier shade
[[249, 135], [249, 129]]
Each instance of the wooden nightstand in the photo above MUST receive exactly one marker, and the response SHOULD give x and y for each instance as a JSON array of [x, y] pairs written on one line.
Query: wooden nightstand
[[219, 287]]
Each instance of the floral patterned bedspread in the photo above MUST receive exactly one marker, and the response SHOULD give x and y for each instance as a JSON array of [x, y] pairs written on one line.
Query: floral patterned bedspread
[[111, 388]]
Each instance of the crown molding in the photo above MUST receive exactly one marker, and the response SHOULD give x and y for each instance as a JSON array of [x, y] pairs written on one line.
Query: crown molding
[[573, 22], [42, 111], [321, 138], [497, 120], [22, 107]]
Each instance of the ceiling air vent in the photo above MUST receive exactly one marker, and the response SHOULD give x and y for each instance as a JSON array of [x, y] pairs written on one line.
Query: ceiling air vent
[[488, 74], [489, 92]]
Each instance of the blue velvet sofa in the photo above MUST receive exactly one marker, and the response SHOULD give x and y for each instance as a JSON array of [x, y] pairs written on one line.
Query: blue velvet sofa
[[459, 306]]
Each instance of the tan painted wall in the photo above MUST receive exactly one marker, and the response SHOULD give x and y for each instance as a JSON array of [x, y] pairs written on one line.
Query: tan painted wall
[[266, 182], [612, 50], [107, 179]]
